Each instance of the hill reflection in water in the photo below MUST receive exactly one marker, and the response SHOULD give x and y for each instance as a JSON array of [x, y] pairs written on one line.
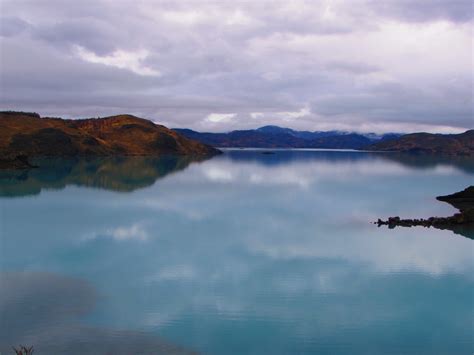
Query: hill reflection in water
[[127, 174], [412, 161], [264, 253], [404, 160], [121, 174], [29, 317]]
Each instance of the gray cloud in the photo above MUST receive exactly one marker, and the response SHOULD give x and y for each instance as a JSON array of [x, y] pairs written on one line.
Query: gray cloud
[[352, 68], [11, 26], [305, 64], [425, 10]]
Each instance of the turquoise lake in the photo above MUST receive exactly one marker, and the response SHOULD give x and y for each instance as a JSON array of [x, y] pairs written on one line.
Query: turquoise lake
[[244, 253]]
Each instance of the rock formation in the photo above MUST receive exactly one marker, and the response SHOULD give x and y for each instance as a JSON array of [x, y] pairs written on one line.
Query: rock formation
[[459, 223]]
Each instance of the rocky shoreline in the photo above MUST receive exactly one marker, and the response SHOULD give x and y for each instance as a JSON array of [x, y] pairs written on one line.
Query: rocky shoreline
[[458, 223], [458, 218]]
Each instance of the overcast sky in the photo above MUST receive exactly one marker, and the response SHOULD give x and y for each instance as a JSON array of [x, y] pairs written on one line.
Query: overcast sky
[[375, 65]]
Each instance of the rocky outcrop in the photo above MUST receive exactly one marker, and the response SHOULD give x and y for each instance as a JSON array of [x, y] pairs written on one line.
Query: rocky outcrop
[[460, 223], [456, 219], [462, 200], [123, 135]]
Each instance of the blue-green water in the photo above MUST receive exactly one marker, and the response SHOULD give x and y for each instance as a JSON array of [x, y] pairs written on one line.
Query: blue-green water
[[246, 253]]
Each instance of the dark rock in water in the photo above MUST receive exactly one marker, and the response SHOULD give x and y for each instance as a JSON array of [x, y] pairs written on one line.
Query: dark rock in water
[[462, 200], [460, 223], [268, 152], [457, 218]]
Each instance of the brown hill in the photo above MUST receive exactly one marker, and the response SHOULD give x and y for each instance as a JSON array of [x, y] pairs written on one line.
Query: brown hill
[[30, 135], [443, 144]]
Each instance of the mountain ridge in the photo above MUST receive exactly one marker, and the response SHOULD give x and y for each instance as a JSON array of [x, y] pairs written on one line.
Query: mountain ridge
[[429, 143], [28, 134], [280, 137]]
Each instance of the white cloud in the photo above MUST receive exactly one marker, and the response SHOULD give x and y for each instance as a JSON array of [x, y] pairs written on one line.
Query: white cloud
[[288, 116], [185, 18], [120, 59], [257, 114], [240, 18], [294, 114], [220, 117]]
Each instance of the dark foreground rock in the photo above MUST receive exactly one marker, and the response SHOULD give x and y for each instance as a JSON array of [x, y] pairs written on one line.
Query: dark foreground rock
[[458, 218], [462, 200], [460, 223]]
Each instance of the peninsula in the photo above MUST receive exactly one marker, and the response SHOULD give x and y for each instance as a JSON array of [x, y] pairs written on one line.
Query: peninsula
[[25, 135], [460, 223]]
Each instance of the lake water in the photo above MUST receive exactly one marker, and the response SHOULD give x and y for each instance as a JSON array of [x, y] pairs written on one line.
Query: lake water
[[245, 253]]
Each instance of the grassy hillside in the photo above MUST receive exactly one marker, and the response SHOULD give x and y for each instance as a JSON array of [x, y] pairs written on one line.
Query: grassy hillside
[[28, 134]]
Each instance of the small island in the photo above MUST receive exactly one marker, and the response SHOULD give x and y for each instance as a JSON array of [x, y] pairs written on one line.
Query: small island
[[460, 223], [25, 135]]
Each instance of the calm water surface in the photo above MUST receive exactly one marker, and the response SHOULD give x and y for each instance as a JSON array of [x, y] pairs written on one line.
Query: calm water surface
[[246, 253]]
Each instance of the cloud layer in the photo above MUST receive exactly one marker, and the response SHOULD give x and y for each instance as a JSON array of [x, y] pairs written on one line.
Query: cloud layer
[[359, 65]]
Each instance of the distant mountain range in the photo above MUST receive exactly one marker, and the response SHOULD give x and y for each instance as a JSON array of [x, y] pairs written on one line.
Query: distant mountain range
[[280, 137]]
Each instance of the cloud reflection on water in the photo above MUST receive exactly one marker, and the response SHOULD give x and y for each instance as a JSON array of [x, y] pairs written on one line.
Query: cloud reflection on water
[[290, 257], [42, 310]]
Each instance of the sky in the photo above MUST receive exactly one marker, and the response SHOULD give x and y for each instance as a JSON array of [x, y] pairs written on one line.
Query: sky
[[353, 65]]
